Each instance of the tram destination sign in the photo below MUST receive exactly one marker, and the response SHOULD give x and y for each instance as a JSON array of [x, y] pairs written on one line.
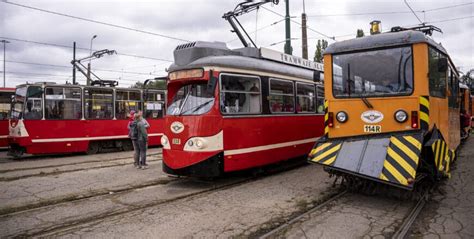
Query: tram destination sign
[[289, 59]]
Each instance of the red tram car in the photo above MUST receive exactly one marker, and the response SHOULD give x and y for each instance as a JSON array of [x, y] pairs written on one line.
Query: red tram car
[[231, 110], [52, 119], [5, 100]]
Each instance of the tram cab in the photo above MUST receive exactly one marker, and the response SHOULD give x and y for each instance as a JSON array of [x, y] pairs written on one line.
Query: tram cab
[[392, 109], [232, 110]]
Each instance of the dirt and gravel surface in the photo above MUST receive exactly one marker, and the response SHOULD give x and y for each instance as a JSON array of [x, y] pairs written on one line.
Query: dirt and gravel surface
[[104, 196]]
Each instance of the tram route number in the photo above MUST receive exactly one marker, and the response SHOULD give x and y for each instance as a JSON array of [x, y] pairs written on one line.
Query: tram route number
[[176, 141], [372, 129]]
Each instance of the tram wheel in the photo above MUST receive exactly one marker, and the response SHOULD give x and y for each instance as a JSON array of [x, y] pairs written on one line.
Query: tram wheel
[[93, 148], [127, 145]]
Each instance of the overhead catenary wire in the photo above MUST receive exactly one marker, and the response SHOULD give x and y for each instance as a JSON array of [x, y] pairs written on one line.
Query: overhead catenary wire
[[309, 28], [96, 21], [81, 48]]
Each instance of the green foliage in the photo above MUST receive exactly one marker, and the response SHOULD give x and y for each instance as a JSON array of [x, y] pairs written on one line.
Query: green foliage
[[360, 33], [320, 47], [152, 84], [468, 79]]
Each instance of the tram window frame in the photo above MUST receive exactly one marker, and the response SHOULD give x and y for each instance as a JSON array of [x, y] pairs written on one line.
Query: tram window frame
[[271, 95], [87, 114], [117, 101], [77, 113], [315, 96], [38, 114], [453, 100], [149, 114], [436, 90], [5, 104], [320, 100], [222, 92]]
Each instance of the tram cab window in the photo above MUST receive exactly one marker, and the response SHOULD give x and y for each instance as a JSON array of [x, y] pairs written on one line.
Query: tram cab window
[[34, 103], [18, 103], [240, 94], [320, 100], [63, 103], [453, 100], [306, 98], [125, 101], [191, 99], [5, 100], [98, 103], [437, 83], [282, 99], [154, 104]]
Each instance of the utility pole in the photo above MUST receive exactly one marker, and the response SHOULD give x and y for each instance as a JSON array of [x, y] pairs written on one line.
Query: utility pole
[[304, 34], [74, 66], [89, 65], [288, 48], [4, 60]]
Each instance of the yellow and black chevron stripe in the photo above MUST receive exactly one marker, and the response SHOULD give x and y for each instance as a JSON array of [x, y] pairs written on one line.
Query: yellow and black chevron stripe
[[325, 153], [424, 112], [326, 118], [401, 161], [442, 156]]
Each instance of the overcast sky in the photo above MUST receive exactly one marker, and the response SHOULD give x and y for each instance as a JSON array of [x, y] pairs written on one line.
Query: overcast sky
[[30, 56]]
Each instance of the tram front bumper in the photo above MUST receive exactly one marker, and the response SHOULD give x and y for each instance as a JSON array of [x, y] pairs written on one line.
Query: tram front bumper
[[391, 159]]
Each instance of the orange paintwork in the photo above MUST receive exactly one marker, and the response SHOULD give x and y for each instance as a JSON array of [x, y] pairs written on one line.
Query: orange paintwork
[[440, 115]]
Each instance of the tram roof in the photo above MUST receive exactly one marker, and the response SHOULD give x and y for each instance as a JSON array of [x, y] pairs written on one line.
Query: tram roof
[[52, 84], [216, 54], [383, 40]]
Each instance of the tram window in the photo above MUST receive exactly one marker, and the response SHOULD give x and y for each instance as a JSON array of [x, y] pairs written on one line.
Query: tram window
[[34, 105], [282, 99], [320, 100], [306, 101], [125, 101], [453, 101], [154, 104], [98, 103], [240, 94], [63, 103], [437, 82], [5, 100]]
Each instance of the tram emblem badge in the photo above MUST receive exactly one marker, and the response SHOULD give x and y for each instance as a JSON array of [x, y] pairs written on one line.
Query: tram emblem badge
[[371, 116], [177, 127]]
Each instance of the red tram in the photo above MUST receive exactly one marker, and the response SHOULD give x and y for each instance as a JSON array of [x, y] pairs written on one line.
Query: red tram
[[50, 119], [237, 109], [5, 100]]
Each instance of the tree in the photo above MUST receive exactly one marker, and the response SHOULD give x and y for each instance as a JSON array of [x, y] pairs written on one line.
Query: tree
[[468, 78], [360, 33], [153, 84], [320, 47]]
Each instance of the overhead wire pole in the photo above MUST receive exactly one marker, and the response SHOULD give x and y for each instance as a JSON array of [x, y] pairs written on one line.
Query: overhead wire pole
[[4, 60], [288, 49], [304, 34]]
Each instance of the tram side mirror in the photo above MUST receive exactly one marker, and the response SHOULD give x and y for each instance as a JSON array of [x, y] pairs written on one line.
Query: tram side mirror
[[316, 76], [442, 64], [211, 85]]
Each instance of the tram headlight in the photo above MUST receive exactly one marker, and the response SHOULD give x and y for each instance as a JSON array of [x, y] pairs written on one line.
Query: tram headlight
[[200, 143], [401, 116], [342, 117], [165, 142]]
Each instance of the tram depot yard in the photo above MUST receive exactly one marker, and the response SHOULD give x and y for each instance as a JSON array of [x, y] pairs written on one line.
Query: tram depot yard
[[104, 196]]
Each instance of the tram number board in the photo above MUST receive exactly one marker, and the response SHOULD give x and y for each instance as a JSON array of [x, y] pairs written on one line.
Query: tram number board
[[176, 141], [372, 129]]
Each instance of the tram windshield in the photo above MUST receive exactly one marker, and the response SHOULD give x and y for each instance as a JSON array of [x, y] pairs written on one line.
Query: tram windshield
[[191, 99], [18, 102], [387, 72]]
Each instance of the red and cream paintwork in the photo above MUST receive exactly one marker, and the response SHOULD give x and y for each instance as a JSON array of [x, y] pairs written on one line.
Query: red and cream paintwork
[[5, 99], [240, 141], [69, 136]]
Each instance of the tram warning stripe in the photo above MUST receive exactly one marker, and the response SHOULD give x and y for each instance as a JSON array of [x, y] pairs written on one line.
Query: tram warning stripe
[[401, 161], [325, 153], [424, 112], [443, 156], [326, 118]]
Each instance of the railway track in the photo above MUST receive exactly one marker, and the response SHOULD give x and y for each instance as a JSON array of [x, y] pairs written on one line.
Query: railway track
[[274, 232], [72, 223], [11, 175]]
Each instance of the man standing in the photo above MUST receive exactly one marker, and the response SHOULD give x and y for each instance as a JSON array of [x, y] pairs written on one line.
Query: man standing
[[133, 135], [142, 140]]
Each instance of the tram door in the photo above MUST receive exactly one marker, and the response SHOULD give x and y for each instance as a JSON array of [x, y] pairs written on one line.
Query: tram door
[[454, 104]]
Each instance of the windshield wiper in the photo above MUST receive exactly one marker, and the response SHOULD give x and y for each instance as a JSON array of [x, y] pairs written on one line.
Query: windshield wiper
[[196, 108], [366, 101]]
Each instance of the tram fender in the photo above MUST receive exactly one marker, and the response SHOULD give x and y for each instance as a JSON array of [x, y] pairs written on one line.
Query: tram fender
[[390, 158]]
